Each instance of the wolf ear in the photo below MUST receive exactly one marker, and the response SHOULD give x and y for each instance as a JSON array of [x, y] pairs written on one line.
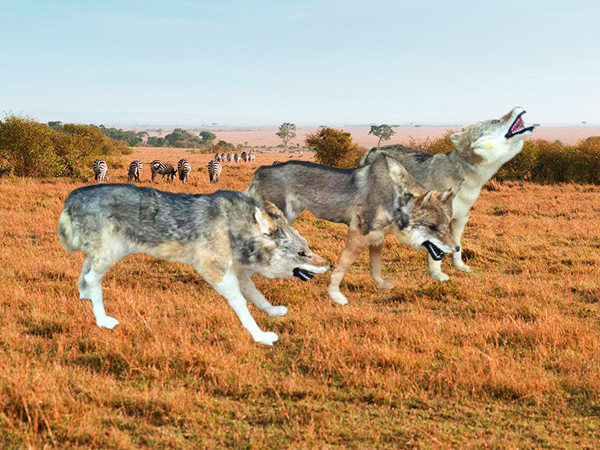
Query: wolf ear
[[426, 198], [457, 137], [265, 223], [451, 193]]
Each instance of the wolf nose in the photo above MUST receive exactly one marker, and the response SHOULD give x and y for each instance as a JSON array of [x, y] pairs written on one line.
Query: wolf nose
[[457, 249]]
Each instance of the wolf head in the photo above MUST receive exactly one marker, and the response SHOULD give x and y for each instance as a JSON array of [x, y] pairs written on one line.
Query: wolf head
[[286, 253], [429, 228], [493, 141]]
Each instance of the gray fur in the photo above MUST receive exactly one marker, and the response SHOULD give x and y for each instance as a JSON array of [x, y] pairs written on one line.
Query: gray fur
[[370, 194]]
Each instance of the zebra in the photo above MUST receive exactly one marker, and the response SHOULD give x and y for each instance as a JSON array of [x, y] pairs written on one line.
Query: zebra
[[162, 168], [217, 157], [229, 157], [214, 170], [251, 157], [100, 170], [183, 168], [223, 156], [244, 156], [135, 171], [236, 157]]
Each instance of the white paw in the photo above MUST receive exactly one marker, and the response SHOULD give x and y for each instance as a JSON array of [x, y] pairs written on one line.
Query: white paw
[[386, 283], [337, 297], [277, 311], [440, 276], [107, 322], [462, 266], [267, 338]]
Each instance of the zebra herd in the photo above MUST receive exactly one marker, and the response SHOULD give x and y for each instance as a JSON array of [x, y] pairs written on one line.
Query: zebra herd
[[164, 168]]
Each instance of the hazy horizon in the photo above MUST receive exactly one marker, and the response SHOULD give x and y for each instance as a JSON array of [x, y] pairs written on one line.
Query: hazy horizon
[[334, 62]]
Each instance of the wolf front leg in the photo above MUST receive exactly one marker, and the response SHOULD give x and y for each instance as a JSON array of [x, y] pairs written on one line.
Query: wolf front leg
[[229, 287], [458, 227], [355, 245], [90, 287], [255, 296], [375, 261], [435, 269]]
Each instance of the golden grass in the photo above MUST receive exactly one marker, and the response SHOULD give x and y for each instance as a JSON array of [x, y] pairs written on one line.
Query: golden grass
[[506, 356]]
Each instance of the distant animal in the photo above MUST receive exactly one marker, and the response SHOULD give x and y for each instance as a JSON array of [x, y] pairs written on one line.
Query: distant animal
[[162, 168], [183, 169], [251, 157], [217, 157], [225, 236], [374, 201], [214, 171], [244, 156], [229, 157], [100, 169], [236, 157], [135, 171], [223, 156], [478, 153]]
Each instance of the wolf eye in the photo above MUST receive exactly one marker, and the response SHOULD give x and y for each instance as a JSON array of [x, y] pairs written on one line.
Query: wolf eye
[[495, 121], [301, 254]]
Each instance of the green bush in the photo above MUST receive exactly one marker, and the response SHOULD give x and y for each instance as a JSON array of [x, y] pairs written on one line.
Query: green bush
[[29, 148], [334, 148]]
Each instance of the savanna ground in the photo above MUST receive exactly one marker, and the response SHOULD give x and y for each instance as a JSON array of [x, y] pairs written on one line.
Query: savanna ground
[[508, 356]]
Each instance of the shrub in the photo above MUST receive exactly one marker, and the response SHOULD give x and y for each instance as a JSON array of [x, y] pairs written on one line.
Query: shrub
[[29, 148], [334, 148]]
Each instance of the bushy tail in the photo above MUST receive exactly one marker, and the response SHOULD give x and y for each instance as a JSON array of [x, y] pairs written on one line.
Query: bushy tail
[[65, 231]]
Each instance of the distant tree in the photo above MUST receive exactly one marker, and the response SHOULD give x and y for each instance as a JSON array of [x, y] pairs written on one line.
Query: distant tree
[[287, 132], [155, 141], [55, 124], [181, 138], [129, 137], [383, 132], [334, 148]]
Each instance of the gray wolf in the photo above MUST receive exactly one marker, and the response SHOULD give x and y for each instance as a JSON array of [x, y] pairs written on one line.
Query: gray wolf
[[135, 171], [162, 168], [225, 236], [214, 171], [183, 169], [100, 169], [479, 151], [373, 200]]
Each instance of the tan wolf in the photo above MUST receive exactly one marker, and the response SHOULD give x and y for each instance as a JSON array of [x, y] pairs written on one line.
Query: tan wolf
[[225, 236], [479, 151]]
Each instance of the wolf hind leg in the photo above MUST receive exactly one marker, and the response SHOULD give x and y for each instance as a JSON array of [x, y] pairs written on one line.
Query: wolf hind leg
[[255, 296], [229, 287], [375, 262], [93, 289], [458, 227]]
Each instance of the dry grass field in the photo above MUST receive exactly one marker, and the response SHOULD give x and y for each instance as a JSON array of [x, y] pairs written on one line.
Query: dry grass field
[[508, 356]]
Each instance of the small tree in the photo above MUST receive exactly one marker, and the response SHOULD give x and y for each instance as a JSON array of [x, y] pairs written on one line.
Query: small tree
[[287, 132], [383, 132], [334, 148]]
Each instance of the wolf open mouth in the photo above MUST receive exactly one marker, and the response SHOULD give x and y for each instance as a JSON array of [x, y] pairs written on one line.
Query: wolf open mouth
[[304, 275], [518, 127], [433, 251]]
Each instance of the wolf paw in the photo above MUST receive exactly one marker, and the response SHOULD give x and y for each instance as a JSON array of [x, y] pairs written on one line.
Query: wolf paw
[[385, 283], [439, 276], [107, 322], [266, 338], [337, 297], [277, 311], [462, 266]]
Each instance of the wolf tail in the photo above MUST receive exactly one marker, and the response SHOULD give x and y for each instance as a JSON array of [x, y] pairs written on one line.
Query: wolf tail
[[368, 157], [65, 231]]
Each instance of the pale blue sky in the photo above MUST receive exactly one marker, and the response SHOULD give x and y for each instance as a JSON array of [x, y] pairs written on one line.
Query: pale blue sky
[[310, 62]]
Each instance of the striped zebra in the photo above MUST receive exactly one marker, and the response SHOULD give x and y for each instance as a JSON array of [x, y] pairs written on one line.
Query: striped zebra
[[135, 171], [162, 168], [100, 170], [236, 157], [217, 157], [251, 157], [214, 170], [229, 157], [223, 156], [183, 168], [244, 156]]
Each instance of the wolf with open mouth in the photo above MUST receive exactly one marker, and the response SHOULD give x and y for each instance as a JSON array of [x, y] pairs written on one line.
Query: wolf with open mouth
[[479, 152]]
